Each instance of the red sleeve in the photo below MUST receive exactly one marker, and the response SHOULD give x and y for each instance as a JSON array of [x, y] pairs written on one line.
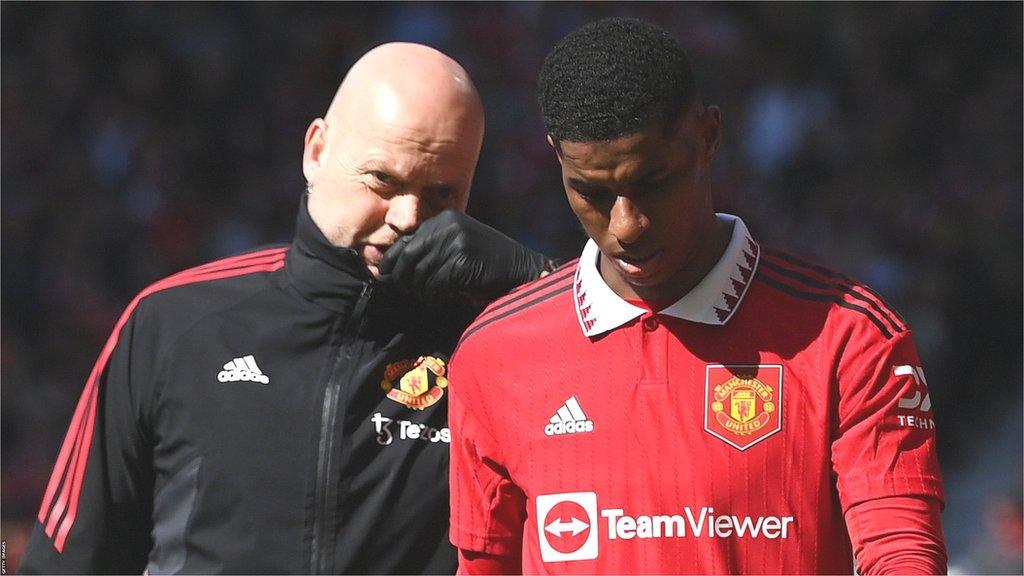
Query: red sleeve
[[96, 514], [884, 440], [897, 535], [487, 509], [883, 455], [478, 563]]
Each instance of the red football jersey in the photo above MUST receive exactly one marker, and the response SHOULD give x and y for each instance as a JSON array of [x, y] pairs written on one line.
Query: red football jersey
[[726, 433]]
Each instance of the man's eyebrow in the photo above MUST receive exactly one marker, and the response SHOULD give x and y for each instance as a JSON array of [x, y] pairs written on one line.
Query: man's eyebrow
[[651, 174], [647, 176], [376, 165], [580, 183]]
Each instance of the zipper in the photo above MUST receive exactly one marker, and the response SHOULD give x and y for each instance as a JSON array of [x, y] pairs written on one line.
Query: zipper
[[325, 510]]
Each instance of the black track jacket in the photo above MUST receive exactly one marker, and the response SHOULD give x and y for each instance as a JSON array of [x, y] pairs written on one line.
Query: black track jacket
[[275, 412]]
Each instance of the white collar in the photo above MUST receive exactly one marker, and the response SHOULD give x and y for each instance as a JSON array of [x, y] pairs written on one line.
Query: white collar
[[712, 301]]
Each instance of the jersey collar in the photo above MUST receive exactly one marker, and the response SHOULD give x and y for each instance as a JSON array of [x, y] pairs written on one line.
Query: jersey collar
[[713, 301], [331, 276]]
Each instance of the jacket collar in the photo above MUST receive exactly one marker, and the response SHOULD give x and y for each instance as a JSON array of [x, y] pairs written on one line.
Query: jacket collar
[[713, 301], [331, 276]]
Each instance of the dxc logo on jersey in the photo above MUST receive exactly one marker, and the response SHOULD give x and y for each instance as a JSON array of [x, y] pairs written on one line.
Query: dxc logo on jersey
[[568, 527], [918, 404]]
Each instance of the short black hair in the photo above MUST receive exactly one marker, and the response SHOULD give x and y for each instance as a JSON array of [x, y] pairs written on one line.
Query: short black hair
[[613, 77]]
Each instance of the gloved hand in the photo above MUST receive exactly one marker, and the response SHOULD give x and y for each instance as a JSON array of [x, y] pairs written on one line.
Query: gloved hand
[[452, 253]]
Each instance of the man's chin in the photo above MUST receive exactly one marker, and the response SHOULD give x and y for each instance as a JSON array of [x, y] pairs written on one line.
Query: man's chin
[[654, 286], [374, 271]]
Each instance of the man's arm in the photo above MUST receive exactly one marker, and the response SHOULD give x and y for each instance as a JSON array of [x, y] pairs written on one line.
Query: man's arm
[[884, 458], [897, 535], [96, 510], [488, 509], [452, 253], [482, 563]]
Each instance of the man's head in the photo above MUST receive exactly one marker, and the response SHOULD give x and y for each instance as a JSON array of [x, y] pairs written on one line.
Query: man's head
[[398, 144], [635, 143]]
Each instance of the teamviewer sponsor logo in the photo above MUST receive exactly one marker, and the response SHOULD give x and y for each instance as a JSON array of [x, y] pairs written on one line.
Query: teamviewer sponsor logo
[[698, 523], [567, 526], [569, 419]]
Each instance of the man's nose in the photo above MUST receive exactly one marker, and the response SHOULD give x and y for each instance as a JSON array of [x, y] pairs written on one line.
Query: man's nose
[[626, 221], [405, 213]]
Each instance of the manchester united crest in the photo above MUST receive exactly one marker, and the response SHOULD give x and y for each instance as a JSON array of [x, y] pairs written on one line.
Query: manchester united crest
[[743, 403], [420, 382]]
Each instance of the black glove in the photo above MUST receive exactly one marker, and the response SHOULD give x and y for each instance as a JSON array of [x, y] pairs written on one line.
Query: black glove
[[454, 254]]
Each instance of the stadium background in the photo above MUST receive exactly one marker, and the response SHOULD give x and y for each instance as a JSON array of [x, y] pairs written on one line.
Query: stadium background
[[883, 139]]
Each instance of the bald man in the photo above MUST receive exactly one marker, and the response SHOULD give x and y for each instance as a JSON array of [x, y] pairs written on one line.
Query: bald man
[[285, 410]]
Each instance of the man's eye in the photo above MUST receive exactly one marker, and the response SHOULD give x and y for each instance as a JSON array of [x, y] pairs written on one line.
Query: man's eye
[[594, 196], [382, 177]]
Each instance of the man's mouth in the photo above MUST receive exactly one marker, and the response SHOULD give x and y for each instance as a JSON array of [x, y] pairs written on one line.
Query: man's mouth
[[636, 266], [375, 252]]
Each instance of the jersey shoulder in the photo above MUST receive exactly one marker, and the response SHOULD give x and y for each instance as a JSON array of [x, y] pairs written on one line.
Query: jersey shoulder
[[180, 298], [846, 300], [544, 304]]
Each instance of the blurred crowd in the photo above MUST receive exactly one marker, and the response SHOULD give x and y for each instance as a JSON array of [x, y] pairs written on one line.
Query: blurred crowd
[[139, 139]]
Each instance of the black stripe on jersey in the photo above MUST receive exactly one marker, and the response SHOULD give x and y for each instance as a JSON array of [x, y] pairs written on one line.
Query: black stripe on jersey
[[793, 291], [476, 327], [813, 283], [791, 259], [541, 284]]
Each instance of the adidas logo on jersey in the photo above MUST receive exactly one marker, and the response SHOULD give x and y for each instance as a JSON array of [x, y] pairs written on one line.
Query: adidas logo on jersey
[[242, 369], [569, 419]]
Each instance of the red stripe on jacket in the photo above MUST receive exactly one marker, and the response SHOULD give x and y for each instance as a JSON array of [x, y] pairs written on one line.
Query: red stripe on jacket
[[78, 440]]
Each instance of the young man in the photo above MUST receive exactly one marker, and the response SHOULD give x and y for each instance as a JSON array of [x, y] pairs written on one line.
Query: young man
[[285, 411], [682, 399]]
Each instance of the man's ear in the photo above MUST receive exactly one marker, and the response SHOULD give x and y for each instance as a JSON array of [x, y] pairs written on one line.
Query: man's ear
[[558, 149], [711, 131], [312, 153]]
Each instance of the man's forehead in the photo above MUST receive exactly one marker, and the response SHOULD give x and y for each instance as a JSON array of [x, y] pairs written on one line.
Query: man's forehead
[[446, 141], [628, 157], [446, 163], [648, 140], [412, 142]]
